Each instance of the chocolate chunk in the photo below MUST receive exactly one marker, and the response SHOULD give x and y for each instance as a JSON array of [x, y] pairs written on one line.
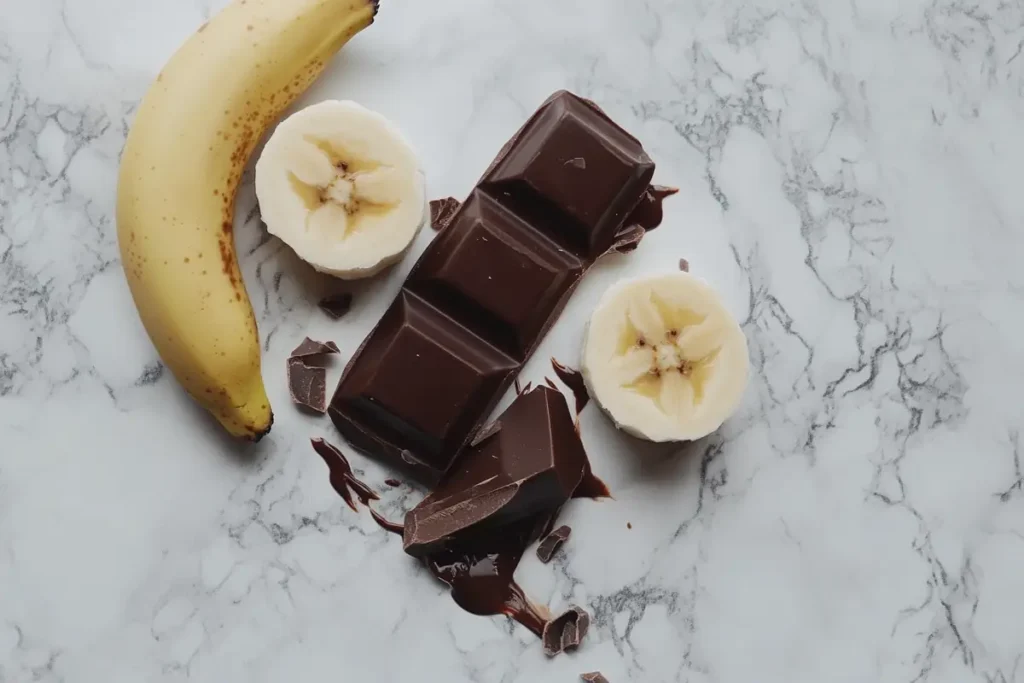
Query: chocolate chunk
[[573, 379], [336, 305], [308, 347], [486, 290], [441, 212], [565, 632], [531, 466], [684, 265], [594, 677], [552, 542], [307, 385], [485, 432]]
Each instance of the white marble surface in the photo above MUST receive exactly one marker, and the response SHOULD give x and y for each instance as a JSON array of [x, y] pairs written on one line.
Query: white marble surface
[[851, 179]]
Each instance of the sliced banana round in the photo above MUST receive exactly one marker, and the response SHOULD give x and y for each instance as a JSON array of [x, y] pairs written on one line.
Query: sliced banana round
[[340, 185], [664, 358]]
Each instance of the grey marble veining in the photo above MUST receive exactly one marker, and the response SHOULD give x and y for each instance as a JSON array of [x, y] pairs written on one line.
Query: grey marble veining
[[850, 179]]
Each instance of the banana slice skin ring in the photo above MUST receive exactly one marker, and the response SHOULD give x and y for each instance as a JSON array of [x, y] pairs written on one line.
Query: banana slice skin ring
[[664, 358], [340, 185]]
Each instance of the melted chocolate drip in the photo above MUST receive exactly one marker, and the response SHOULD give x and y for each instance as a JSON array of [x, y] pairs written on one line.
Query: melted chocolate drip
[[345, 482], [649, 213], [481, 574], [572, 378]]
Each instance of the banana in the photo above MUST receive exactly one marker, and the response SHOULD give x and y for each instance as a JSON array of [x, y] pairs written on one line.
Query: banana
[[192, 136], [664, 358], [340, 185]]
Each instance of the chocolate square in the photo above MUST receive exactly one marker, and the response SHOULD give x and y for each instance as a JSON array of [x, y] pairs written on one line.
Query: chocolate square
[[498, 272], [425, 416], [576, 171]]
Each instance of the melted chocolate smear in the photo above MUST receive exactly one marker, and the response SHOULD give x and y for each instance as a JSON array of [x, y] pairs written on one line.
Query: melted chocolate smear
[[340, 469], [649, 212], [684, 265], [572, 378], [345, 482], [336, 305], [594, 677], [565, 632], [441, 212], [552, 542], [480, 574], [393, 527], [591, 486], [308, 347]]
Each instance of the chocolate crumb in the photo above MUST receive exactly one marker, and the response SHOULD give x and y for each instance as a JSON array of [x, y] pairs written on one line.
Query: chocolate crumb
[[684, 265], [307, 385], [594, 677], [565, 632], [552, 542], [628, 240], [441, 212], [308, 347], [485, 432], [392, 482], [628, 525], [573, 379], [336, 305]]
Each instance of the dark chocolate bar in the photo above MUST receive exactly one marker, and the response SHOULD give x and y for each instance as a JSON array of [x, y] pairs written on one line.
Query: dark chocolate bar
[[532, 465], [484, 293]]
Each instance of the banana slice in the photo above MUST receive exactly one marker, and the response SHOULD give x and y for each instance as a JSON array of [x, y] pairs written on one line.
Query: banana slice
[[664, 358], [340, 185]]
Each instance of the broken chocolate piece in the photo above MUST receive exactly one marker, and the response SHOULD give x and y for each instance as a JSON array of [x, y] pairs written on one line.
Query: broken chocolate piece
[[552, 542], [573, 379], [308, 347], [485, 432], [336, 305], [565, 632], [484, 293], [441, 212], [628, 240], [531, 466], [684, 265], [307, 385], [594, 677]]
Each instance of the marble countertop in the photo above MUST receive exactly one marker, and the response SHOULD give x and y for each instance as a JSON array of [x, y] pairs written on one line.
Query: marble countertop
[[850, 178]]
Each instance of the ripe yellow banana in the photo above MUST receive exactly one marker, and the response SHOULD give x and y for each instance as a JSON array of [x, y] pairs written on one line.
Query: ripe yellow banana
[[192, 136]]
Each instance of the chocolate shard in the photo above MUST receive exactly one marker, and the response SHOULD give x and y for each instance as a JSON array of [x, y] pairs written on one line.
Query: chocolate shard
[[393, 483], [442, 211], [565, 632], [486, 290], [573, 379], [308, 347], [531, 466], [684, 265], [307, 385], [594, 677], [552, 542], [485, 432], [336, 305], [628, 240]]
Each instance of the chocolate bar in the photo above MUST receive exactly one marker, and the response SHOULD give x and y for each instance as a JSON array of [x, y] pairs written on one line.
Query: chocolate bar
[[484, 293]]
